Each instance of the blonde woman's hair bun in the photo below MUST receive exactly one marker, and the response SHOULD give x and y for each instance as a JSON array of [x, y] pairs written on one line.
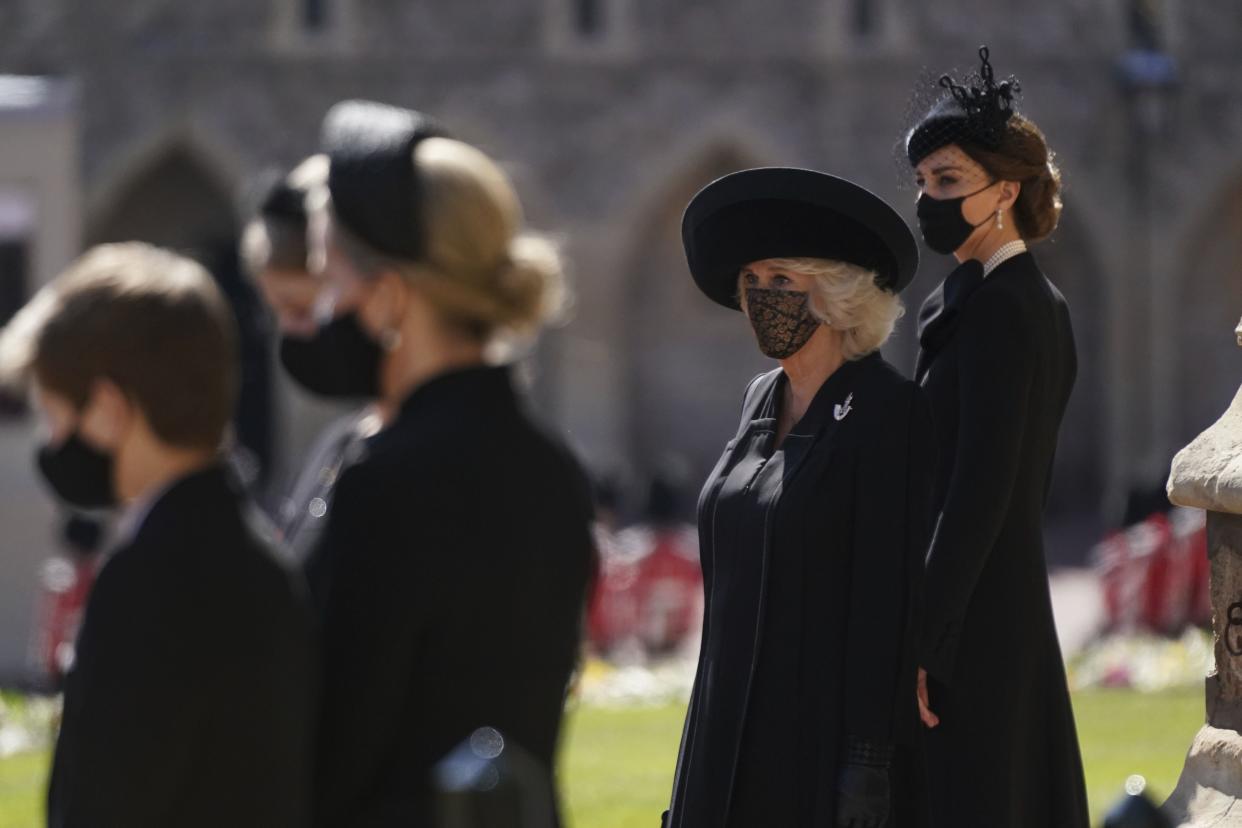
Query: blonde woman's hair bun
[[531, 284]]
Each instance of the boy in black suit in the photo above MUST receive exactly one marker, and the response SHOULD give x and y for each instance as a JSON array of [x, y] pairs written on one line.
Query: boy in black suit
[[190, 700]]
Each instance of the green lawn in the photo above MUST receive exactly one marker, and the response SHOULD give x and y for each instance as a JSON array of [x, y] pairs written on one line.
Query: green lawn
[[1123, 732], [618, 763], [22, 780]]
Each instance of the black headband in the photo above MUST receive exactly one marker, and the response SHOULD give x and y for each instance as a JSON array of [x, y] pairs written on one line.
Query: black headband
[[375, 188]]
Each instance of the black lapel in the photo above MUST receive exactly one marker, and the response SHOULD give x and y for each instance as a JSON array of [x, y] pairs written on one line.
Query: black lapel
[[932, 308], [842, 396], [940, 314], [759, 394]]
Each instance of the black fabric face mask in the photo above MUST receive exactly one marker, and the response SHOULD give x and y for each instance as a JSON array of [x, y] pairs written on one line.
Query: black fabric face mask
[[782, 320], [79, 474], [944, 227], [339, 360]]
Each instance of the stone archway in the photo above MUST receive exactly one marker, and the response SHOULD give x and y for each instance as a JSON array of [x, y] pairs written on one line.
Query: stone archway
[[1209, 303], [1079, 474], [173, 201], [688, 359], [177, 201]]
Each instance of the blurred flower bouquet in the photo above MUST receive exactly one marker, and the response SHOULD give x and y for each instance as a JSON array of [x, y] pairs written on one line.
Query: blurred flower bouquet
[[1143, 661], [27, 722]]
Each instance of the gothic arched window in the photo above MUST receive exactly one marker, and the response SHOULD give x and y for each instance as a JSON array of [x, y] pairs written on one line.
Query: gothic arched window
[[588, 28], [316, 14], [589, 19], [862, 18]]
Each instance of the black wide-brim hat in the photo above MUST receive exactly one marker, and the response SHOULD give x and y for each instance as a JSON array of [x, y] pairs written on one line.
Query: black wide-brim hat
[[784, 213]]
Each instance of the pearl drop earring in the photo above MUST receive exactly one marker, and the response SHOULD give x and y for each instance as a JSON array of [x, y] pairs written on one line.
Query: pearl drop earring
[[390, 339], [1000, 220]]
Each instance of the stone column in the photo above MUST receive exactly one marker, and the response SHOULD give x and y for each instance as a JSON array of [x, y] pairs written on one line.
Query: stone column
[[1207, 474]]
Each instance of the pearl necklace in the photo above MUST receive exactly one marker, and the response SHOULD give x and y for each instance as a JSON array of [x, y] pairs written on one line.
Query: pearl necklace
[[1004, 252]]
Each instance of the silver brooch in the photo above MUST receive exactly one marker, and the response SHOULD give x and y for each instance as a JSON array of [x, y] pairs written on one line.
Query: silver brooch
[[842, 410]]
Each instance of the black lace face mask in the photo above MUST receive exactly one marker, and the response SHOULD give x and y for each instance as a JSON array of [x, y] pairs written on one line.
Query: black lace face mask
[[782, 320]]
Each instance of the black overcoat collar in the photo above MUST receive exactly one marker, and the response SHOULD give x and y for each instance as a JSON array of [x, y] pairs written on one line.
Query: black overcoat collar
[[842, 396], [941, 313], [465, 394]]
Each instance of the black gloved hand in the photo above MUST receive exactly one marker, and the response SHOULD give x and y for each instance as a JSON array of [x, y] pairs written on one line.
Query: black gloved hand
[[864, 795]]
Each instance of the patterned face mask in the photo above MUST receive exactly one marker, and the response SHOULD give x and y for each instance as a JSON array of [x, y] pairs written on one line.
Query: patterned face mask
[[782, 320]]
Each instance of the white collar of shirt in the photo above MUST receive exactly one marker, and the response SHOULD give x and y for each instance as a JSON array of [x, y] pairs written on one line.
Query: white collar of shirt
[[1003, 253], [136, 513]]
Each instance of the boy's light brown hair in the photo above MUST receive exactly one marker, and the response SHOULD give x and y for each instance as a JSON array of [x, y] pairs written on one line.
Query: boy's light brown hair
[[149, 320]]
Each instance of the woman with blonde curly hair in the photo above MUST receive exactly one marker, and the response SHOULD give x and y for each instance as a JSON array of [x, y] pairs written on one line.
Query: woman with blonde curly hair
[[452, 572], [997, 363], [813, 523]]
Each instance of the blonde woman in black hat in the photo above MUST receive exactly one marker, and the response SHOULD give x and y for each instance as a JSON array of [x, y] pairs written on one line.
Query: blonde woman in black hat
[[453, 568], [997, 363], [813, 523]]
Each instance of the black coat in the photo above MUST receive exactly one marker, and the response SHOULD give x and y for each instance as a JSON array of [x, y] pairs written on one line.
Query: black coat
[[1006, 752], [455, 566], [191, 699], [812, 558]]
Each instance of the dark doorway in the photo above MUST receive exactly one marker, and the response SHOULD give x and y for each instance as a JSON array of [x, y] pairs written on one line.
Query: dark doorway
[[1209, 303], [690, 359], [14, 290]]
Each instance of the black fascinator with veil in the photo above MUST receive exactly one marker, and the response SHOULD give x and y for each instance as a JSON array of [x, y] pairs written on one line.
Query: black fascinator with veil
[[973, 111]]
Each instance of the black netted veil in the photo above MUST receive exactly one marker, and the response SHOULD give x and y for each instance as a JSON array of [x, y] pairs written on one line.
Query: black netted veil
[[946, 111]]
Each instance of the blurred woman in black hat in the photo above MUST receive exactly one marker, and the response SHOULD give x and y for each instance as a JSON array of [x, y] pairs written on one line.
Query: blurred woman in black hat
[[274, 246], [454, 564], [997, 361], [276, 252], [813, 523]]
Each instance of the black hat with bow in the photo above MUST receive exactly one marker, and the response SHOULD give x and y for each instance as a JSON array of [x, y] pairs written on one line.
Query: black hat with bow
[[974, 111]]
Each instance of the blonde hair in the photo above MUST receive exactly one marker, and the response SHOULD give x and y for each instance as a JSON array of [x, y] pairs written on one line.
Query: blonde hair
[[481, 270], [846, 298]]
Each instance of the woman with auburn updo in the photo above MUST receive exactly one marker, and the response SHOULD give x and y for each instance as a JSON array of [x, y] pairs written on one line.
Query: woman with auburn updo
[[452, 572], [997, 361], [813, 525]]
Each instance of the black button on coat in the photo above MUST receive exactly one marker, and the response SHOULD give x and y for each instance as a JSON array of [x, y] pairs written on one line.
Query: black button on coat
[[812, 561], [454, 570], [1006, 752]]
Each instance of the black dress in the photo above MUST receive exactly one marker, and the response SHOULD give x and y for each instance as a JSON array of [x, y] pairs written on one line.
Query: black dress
[[454, 570], [191, 701], [998, 365], [812, 557]]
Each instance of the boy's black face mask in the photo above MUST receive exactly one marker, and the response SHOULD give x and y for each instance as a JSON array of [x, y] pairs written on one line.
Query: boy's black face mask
[[78, 473]]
